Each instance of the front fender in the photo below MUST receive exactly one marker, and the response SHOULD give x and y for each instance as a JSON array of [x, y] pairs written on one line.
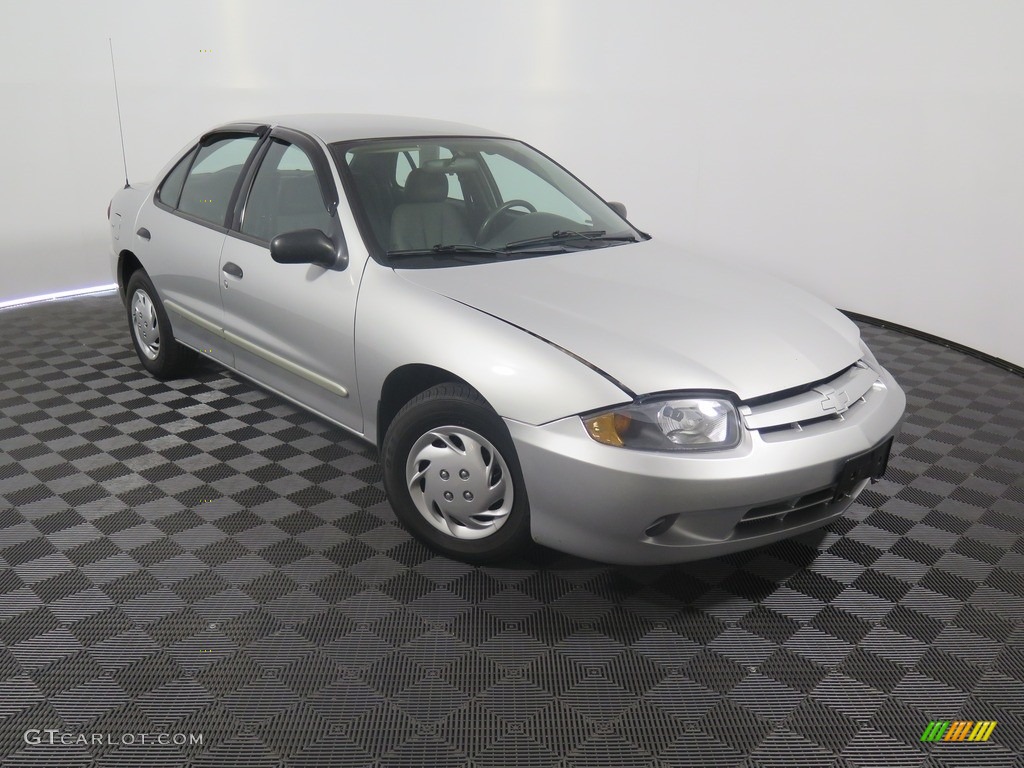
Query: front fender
[[521, 376]]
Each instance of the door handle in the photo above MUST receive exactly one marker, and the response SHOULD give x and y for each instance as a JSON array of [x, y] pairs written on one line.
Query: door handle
[[230, 268], [143, 233]]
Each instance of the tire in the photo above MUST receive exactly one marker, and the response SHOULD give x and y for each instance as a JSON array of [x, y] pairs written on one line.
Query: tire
[[448, 440], [150, 329]]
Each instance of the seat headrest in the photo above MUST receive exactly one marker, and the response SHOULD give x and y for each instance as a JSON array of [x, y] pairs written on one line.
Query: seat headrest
[[425, 187]]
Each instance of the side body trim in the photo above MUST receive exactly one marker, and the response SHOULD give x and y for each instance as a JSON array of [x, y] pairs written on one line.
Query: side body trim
[[256, 349], [192, 317]]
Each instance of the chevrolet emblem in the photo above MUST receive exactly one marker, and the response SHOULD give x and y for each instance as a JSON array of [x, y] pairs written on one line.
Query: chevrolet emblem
[[833, 401]]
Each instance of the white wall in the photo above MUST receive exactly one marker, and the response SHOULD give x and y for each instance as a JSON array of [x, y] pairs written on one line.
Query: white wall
[[869, 150]]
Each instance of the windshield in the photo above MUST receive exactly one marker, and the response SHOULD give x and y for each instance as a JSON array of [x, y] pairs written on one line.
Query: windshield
[[444, 201]]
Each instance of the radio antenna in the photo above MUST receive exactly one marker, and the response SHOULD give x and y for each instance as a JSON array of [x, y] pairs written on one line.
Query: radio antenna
[[117, 101]]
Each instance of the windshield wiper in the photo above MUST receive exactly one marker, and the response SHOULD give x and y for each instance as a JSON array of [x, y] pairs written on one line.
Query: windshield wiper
[[561, 235], [444, 250]]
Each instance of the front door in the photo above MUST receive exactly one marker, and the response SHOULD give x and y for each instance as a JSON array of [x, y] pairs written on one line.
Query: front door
[[291, 324]]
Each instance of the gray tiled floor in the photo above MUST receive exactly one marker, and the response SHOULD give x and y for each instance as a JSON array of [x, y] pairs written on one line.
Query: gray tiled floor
[[200, 557]]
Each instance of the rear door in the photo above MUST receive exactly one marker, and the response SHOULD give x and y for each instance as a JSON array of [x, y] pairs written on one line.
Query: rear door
[[180, 237]]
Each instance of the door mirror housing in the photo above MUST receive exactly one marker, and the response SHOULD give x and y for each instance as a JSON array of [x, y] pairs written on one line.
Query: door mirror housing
[[308, 246], [619, 208]]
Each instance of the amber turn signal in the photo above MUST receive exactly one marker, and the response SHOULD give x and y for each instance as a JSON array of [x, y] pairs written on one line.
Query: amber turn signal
[[608, 428]]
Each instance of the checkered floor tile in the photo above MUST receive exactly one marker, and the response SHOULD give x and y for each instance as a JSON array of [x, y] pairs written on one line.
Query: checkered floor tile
[[201, 559]]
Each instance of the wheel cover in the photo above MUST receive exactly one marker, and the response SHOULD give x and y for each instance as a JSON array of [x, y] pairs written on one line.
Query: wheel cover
[[145, 325], [459, 482]]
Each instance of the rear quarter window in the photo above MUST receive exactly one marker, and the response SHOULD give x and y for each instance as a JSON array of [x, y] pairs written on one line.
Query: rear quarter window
[[170, 188]]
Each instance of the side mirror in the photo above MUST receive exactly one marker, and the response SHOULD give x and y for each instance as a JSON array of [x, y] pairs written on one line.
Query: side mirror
[[308, 246], [619, 208]]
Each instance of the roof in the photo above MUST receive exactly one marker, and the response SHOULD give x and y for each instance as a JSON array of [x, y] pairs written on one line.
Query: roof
[[345, 127]]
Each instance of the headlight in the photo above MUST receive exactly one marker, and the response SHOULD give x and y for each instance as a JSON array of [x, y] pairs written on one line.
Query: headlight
[[668, 424]]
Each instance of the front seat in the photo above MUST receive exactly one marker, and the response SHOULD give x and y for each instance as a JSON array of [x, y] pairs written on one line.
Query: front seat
[[427, 218]]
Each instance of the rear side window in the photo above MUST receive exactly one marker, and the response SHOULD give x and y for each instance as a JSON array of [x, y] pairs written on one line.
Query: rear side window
[[403, 167], [209, 184], [170, 190]]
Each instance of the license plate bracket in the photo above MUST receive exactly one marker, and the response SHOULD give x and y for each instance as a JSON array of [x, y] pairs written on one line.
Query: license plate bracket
[[870, 465]]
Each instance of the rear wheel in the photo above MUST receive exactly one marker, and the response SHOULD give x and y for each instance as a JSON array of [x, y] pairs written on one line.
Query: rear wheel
[[150, 327], [453, 477]]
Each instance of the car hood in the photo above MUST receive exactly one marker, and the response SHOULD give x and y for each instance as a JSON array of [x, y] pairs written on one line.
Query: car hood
[[658, 319]]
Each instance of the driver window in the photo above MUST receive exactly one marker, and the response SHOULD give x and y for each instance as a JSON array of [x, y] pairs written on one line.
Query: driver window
[[285, 195], [516, 182]]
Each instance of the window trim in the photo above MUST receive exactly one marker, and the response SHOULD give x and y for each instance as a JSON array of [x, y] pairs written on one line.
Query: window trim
[[321, 167], [234, 226], [318, 158]]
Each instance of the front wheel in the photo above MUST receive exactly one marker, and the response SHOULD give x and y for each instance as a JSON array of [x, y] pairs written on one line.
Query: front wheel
[[150, 327], [453, 477]]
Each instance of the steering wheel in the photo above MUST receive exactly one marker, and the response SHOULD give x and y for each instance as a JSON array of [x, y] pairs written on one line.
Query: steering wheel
[[488, 225]]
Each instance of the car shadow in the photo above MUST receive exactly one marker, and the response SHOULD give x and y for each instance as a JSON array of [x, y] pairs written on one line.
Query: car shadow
[[752, 575]]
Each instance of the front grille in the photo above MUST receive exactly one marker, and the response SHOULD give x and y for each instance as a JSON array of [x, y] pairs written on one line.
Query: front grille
[[782, 509], [809, 508], [829, 400]]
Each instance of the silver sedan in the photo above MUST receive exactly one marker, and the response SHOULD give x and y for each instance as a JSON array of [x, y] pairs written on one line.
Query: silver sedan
[[529, 363]]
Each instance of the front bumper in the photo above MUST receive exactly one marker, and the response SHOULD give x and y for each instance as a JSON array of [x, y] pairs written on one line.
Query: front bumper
[[644, 508]]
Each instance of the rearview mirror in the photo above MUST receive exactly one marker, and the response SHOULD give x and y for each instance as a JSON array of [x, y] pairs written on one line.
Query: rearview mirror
[[619, 208], [308, 246]]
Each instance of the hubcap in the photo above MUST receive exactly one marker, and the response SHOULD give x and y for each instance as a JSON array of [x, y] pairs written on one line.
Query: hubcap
[[459, 482], [145, 325]]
